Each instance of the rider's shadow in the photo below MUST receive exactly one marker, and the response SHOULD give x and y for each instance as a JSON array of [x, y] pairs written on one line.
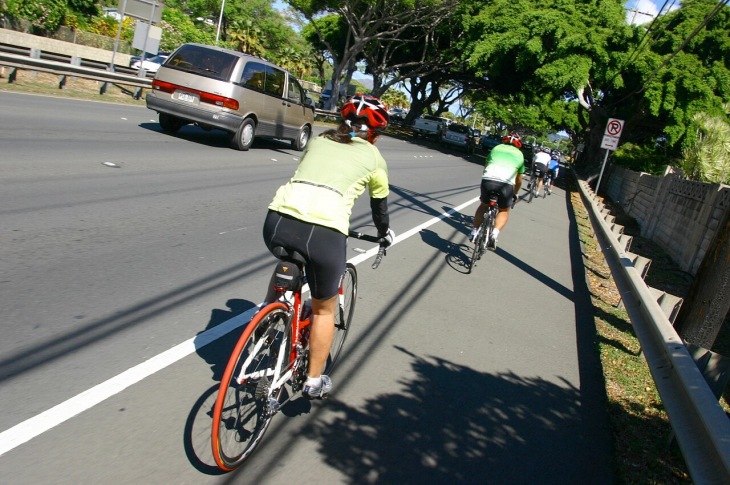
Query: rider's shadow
[[456, 254], [217, 352]]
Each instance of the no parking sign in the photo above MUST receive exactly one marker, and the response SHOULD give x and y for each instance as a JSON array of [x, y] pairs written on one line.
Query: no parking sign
[[612, 134]]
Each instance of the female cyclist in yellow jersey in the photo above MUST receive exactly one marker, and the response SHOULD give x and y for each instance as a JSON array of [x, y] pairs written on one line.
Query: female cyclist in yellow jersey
[[311, 215]]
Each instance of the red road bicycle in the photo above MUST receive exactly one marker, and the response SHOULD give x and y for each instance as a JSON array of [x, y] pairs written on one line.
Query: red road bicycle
[[268, 365]]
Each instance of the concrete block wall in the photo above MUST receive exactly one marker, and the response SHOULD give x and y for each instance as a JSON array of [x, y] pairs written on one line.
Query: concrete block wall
[[681, 216], [21, 39]]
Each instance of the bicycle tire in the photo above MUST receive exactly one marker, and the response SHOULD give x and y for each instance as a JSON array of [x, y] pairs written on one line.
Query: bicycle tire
[[343, 315], [479, 245], [242, 412], [532, 190], [490, 226]]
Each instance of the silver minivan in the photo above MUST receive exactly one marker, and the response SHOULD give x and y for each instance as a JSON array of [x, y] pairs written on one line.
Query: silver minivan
[[218, 88]]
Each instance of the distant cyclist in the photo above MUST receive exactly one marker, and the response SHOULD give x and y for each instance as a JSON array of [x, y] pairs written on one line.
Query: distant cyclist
[[540, 163], [553, 168], [311, 215], [503, 171]]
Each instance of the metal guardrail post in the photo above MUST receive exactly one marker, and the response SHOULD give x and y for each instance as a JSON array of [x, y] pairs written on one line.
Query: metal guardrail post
[[700, 425]]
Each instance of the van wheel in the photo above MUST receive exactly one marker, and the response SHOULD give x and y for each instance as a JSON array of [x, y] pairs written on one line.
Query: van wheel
[[243, 138], [170, 124], [301, 141]]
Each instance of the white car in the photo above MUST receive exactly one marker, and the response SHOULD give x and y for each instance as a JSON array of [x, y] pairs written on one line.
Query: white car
[[150, 65]]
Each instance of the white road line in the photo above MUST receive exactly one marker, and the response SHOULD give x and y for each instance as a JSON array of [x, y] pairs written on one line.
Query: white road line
[[39, 424]]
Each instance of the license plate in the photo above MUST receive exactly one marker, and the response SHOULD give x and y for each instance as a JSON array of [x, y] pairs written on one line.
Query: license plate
[[187, 97]]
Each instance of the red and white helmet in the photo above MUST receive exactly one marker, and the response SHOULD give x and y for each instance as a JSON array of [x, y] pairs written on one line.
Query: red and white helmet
[[365, 109], [513, 139]]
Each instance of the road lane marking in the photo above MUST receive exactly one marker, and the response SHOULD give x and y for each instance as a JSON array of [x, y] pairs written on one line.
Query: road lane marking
[[39, 424]]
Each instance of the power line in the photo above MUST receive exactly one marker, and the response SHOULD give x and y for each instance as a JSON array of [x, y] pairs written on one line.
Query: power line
[[697, 29]]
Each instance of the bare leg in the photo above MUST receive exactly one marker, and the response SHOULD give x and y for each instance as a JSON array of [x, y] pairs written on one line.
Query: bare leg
[[321, 334], [479, 215], [501, 220]]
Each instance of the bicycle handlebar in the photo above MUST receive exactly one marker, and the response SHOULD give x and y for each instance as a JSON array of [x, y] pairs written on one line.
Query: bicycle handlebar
[[374, 239]]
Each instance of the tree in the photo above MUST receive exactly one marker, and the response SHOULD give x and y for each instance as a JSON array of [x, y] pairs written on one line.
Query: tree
[[708, 300], [362, 23], [537, 55]]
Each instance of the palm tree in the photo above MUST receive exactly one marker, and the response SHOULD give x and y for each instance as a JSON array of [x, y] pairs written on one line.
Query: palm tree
[[246, 37], [708, 160]]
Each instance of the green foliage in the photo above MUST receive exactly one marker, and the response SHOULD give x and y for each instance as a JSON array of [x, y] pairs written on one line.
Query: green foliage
[[45, 15], [641, 158], [178, 28]]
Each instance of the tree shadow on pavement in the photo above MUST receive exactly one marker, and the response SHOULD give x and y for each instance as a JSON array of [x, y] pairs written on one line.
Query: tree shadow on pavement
[[452, 424]]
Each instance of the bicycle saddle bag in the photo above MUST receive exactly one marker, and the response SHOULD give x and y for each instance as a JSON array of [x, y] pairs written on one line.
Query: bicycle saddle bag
[[287, 276]]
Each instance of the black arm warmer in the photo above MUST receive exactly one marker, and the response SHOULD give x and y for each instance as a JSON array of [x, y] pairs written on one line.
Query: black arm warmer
[[379, 208]]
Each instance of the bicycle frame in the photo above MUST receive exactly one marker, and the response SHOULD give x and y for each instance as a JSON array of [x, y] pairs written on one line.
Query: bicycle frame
[[297, 325]]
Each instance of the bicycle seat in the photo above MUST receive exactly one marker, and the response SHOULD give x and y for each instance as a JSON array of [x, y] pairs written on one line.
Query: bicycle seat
[[286, 254]]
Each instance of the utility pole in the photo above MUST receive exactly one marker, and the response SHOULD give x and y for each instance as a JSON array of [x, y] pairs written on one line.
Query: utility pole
[[637, 12]]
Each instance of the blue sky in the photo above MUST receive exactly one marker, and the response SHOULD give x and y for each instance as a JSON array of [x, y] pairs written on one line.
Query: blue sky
[[646, 10]]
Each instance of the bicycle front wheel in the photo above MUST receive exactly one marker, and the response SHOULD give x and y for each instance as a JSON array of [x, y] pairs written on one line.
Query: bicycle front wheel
[[343, 315], [246, 403]]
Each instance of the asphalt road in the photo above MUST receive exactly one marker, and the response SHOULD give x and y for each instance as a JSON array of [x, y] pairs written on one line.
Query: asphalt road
[[129, 259]]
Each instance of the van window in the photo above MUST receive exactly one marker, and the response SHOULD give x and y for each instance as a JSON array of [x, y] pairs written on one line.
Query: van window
[[254, 76], [203, 61], [275, 79], [263, 78], [295, 93]]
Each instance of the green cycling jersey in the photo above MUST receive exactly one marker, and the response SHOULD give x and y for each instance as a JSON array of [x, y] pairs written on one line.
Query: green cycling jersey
[[503, 164]]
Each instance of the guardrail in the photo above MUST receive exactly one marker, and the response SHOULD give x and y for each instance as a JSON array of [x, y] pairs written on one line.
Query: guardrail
[[64, 69], [700, 425]]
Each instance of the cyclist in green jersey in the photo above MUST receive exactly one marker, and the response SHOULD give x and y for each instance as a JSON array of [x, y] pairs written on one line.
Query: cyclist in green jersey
[[503, 171], [310, 214]]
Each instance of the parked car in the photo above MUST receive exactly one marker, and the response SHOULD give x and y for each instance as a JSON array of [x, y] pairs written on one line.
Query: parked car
[[323, 98], [490, 141], [150, 65], [460, 136], [397, 115], [429, 126], [147, 56], [246, 96]]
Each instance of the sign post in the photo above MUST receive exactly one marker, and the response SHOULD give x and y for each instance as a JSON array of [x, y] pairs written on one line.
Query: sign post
[[611, 136]]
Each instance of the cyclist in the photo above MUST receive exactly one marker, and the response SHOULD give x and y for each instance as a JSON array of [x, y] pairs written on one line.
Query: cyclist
[[539, 167], [311, 215], [553, 168], [503, 171]]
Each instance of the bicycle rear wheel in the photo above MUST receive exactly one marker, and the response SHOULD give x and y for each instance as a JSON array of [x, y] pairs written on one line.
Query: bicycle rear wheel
[[343, 315], [245, 405]]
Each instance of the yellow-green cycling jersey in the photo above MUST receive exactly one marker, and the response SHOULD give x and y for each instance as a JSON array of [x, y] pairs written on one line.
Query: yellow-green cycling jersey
[[328, 180]]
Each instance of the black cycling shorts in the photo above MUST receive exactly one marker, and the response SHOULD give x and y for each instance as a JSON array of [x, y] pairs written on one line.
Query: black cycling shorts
[[540, 169], [504, 191], [324, 249]]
